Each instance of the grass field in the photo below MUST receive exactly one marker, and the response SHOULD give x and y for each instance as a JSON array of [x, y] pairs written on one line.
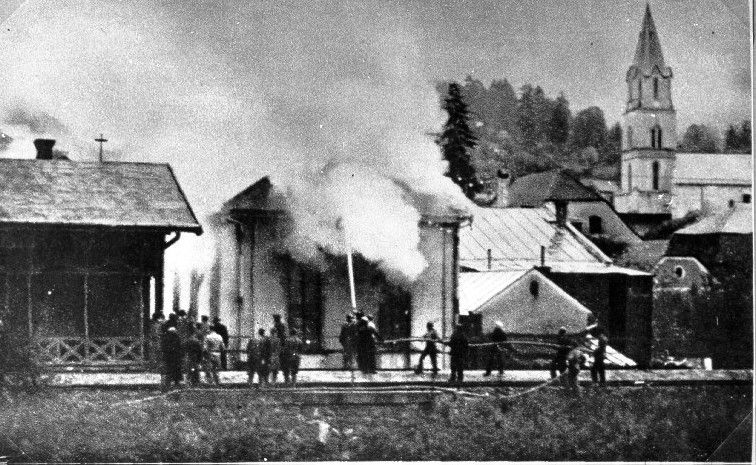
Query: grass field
[[632, 424]]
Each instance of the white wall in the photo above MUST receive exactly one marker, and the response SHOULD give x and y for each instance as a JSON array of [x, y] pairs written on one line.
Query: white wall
[[706, 198]]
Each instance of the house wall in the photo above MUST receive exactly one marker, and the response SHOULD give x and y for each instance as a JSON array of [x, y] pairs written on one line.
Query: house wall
[[252, 270], [622, 304], [706, 198], [525, 313]]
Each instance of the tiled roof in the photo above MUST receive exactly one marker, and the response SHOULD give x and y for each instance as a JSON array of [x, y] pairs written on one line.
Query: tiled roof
[[112, 194], [713, 168], [734, 220], [535, 189], [477, 288], [515, 236]]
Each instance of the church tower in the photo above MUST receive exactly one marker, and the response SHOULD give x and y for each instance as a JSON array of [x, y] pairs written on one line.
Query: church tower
[[649, 128]]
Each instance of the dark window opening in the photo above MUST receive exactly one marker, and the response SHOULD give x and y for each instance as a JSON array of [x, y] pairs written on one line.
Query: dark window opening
[[679, 272], [595, 225], [656, 88], [746, 198], [640, 89], [305, 309], [655, 175], [629, 137], [656, 137], [394, 312]]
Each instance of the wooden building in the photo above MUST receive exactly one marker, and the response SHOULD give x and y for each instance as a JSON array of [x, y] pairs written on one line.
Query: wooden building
[[81, 253]]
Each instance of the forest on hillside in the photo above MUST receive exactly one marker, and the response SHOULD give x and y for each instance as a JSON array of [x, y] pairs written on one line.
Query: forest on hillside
[[525, 131]]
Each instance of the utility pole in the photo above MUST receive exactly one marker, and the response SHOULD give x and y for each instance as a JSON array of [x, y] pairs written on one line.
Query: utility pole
[[101, 140]]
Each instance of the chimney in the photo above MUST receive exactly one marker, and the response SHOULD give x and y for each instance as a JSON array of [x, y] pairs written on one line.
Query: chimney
[[561, 212], [503, 180], [44, 148]]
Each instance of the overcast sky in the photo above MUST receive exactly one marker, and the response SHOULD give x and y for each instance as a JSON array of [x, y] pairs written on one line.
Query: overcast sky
[[107, 66]]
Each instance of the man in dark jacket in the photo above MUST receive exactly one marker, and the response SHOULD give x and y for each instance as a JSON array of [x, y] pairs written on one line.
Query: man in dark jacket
[[559, 363], [256, 362], [367, 343], [458, 345], [222, 331], [598, 370], [348, 339], [496, 351], [280, 328], [431, 350], [291, 356], [172, 356]]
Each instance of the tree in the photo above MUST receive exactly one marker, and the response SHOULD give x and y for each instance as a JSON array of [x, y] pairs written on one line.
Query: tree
[[745, 136], [732, 139], [700, 138], [457, 141], [527, 119], [503, 107], [589, 129], [612, 150], [559, 123]]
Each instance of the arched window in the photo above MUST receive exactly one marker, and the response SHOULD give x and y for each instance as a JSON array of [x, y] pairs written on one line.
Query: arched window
[[629, 137], [656, 88], [629, 177], [656, 137], [640, 90], [655, 175], [594, 225]]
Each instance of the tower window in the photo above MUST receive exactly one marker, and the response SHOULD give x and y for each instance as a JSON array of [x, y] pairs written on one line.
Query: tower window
[[629, 137], [655, 175], [629, 177], [656, 137], [656, 88], [640, 89]]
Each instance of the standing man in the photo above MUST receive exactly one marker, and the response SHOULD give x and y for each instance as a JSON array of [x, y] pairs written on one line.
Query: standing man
[[598, 370], [496, 351], [156, 334], [172, 357], [213, 348], [431, 350], [458, 345], [195, 354], [291, 356], [274, 354], [575, 359], [559, 363], [222, 330], [367, 342], [347, 338], [256, 358], [280, 328]]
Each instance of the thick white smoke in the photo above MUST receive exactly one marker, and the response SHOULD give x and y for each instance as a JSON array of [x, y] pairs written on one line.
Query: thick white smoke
[[330, 99]]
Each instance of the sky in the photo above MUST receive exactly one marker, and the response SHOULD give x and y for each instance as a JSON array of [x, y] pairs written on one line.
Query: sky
[[228, 91]]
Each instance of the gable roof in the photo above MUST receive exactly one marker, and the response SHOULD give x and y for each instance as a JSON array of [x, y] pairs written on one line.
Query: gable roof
[[535, 189], [111, 194], [477, 288], [713, 168], [735, 220], [264, 196], [515, 236]]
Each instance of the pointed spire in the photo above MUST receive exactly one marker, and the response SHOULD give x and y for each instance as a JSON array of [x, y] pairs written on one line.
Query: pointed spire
[[648, 53]]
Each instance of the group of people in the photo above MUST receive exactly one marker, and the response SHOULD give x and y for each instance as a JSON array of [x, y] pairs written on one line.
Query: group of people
[[569, 358], [359, 338], [181, 348], [269, 354]]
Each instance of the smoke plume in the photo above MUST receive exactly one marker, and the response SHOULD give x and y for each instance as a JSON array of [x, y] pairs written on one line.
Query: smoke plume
[[330, 99]]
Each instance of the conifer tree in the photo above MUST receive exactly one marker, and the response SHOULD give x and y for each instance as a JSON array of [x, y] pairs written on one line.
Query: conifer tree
[[559, 124], [457, 141]]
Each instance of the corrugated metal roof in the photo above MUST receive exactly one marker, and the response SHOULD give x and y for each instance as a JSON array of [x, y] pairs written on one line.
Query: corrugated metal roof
[[515, 236], [713, 168], [477, 288], [535, 189], [114, 194], [734, 220]]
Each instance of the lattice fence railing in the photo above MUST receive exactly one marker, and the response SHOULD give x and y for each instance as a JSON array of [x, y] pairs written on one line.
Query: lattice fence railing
[[100, 350]]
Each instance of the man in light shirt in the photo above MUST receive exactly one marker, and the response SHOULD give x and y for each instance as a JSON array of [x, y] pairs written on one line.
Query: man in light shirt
[[213, 348]]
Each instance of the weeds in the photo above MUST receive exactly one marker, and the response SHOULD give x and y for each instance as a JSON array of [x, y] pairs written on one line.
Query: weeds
[[630, 424]]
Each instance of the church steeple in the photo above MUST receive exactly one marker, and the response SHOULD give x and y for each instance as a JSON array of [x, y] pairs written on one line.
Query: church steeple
[[649, 123], [648, 52]]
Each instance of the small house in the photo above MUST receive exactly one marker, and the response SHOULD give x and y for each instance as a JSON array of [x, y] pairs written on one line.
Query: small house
[[259, 278], [81, 253]]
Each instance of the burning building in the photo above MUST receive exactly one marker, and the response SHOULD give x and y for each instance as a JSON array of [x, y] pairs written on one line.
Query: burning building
[[82, 253], [258, 274]]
